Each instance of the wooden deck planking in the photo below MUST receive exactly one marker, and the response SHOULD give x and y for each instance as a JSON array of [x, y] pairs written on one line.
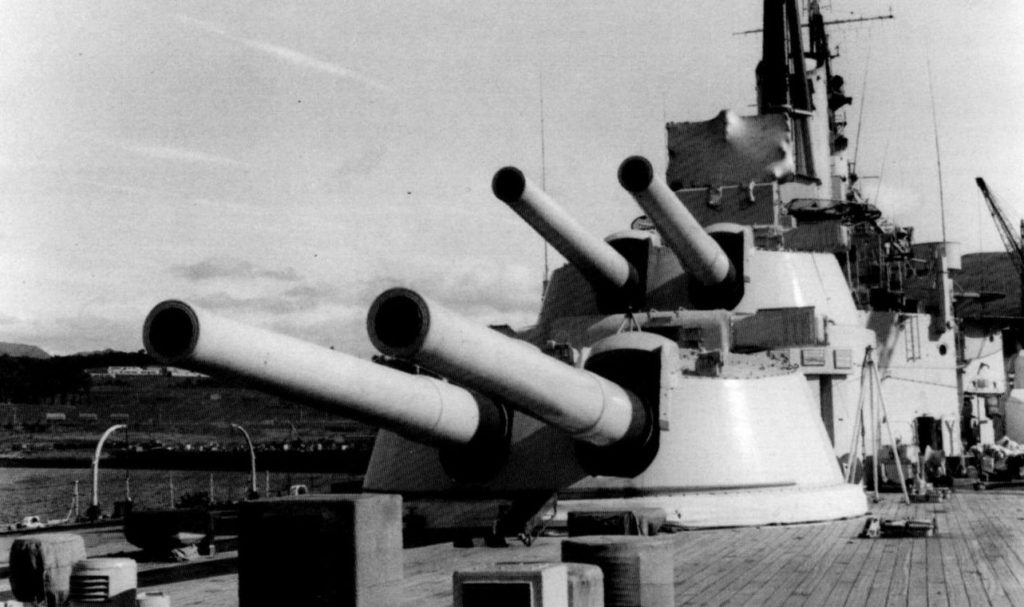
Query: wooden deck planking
[[760, 549], [842, 571], [984, 551], [992, 531], [1012, 533], [900, 583], [1006, 522], [878, 591], [861, 587], [953, 571], [799, 564], [704, 557], [858, 566], [815, 571], [917, 578], [970, 569], [764, 573], [977, 559], [808, 540], [937, 586]]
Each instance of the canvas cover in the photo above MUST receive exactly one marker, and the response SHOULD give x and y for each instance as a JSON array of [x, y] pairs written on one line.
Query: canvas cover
[[730, 150]]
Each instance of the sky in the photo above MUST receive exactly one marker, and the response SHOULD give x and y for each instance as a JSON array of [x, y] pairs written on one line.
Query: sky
[[283, 163]]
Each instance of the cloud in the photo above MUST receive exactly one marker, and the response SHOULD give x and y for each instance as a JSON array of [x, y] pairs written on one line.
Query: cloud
[[341, 327], [182, 155], [894, 199], [70, 334], [125, 189], [257, 304], [313, 292], [485, 290], [168, 153], [286, 54], [219, 268], [296, 299]]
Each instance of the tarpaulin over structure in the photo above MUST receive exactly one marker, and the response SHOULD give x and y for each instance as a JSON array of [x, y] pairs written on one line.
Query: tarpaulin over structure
[[730, 150]]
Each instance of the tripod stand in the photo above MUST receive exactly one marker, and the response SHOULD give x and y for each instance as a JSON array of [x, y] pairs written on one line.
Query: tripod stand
[[871, 391]]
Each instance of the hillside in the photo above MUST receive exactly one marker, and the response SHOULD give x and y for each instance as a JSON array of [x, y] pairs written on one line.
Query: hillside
[[989, 273], [22, 351]]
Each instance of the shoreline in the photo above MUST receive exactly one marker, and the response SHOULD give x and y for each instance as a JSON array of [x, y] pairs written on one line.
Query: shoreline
[[351, 462]]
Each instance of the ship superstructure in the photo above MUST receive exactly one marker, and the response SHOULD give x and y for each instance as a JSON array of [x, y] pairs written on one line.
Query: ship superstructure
[[786, 174]]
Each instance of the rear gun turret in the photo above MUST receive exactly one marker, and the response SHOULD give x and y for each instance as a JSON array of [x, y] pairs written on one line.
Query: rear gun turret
[[606, 269], [719, 283]]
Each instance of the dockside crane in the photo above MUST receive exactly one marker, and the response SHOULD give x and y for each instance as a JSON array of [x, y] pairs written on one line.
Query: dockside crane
[[1011, 241]]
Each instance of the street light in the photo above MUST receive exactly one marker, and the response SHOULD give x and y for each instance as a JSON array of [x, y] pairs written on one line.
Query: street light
[[94, 507], [252, 459]]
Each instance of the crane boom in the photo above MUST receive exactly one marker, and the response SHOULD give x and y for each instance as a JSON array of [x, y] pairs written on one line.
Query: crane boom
[[1011, 241]]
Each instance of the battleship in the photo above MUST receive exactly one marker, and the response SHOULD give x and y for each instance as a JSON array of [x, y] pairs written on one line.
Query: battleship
[[715, 361]]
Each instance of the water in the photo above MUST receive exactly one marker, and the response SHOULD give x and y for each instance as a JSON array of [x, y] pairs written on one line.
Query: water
[[49, 492]]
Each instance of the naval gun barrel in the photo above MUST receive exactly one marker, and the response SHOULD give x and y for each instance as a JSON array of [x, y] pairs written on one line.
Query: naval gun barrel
[[421, 408], [597, 260], [700, 255], [584, 404]]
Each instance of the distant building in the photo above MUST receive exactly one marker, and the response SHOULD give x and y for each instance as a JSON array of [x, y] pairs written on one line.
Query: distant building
[[176, 372], [102, 373], [135, 371]]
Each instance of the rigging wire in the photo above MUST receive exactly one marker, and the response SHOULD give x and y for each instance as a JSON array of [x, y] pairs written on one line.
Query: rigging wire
[[881, 174], [938, 153], [980, 215], [543, 184], [863, 99]]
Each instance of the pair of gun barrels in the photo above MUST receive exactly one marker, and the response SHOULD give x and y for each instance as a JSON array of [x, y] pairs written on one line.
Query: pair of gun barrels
[[497, 371], [599, 262]]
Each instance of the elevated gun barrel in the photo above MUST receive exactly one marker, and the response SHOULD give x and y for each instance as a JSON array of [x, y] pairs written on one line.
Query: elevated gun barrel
[[584, 404], [598, 261], [421, 408], [700, 255]]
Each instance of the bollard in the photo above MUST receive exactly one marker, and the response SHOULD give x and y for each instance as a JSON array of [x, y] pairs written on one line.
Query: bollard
[[314, 550], [104, 582], [530, 584], [153, 599], [638, 571], [40, 566]]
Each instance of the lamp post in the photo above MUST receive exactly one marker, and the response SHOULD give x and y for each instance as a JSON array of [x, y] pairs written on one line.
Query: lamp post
[[252, 459], [94, 507]]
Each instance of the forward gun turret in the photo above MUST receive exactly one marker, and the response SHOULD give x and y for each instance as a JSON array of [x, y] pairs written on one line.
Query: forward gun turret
[[609, 410], [582, 403]]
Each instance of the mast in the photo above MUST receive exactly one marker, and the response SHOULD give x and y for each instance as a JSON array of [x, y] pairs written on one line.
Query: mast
[[781, 78]]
